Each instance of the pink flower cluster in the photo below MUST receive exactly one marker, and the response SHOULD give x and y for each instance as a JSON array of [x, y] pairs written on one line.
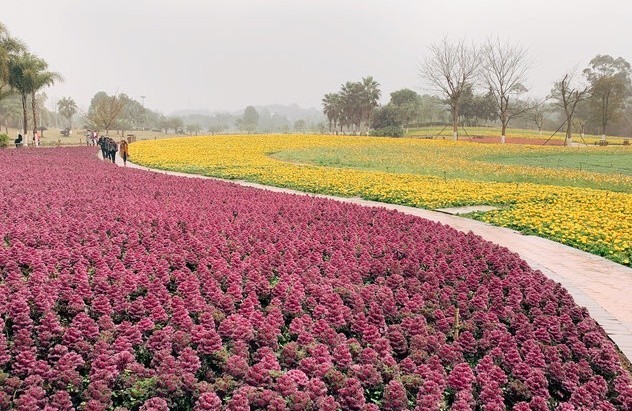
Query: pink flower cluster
[[122, 289]]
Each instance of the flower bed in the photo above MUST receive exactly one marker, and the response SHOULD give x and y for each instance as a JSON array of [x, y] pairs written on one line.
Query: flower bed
[[120, 288], [594, 220]]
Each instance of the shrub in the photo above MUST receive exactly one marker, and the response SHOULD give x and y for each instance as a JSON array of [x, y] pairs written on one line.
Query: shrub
[[390, 131]]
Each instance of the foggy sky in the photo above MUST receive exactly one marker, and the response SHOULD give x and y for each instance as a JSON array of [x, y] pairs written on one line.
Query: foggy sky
[[224, 55]]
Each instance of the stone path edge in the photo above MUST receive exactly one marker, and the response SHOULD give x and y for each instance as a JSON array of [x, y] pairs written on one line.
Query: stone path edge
[[602, 286]]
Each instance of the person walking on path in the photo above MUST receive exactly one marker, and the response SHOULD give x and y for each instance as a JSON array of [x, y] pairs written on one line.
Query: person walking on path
[[111, 146], [101, 143], [124, 151]]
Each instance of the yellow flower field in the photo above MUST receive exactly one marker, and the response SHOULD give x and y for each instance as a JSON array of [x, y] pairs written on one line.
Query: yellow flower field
[[465, 133], [595, 220]]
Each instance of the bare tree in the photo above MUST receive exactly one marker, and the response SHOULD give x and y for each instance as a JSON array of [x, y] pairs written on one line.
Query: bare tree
[[104, 111], [538, 111], [503, 69], [567, 95], [449, 68]]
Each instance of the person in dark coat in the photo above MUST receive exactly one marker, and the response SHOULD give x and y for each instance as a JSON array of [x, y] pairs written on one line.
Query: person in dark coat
[[18, 141], [101, 143], [112, 147]]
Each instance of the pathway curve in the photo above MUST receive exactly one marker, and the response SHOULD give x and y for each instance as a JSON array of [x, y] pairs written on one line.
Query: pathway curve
[[600, 285]]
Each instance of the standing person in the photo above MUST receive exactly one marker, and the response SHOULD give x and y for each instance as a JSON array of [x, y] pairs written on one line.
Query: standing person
[[124, 151], [36, 137], [112, 149], [101, 142], [95, 136]]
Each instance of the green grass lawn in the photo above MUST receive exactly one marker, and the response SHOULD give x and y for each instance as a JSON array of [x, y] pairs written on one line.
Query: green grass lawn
[[608, 168], [611, 161]]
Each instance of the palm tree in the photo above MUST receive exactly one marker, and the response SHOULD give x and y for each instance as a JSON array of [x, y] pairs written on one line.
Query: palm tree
[[370, 97], [352, 110], [40, 79], [27, 75], [19, 80], [8, 48], [353, 105], [331, 109], [67, 108]]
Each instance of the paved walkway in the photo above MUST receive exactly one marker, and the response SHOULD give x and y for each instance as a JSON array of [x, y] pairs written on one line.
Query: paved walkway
[[600, 285]]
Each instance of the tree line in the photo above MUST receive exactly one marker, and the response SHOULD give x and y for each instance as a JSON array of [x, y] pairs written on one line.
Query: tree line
[[352, 107], [24, 75], [470, 85], [598, 101]]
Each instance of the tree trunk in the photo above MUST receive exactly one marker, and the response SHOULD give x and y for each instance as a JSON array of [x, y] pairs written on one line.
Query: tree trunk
[[503, 132], [455, 123], [33, 106], [604, 116], [568, 141], [25, 121]]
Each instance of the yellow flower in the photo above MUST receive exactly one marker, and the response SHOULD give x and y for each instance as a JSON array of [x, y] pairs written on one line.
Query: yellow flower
[[596, 220]]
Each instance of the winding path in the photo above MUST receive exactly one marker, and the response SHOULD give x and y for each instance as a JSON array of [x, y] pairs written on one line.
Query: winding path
[[600, 285]]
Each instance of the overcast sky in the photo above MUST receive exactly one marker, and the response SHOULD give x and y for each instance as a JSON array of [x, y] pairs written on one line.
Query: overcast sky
[[224, 55]]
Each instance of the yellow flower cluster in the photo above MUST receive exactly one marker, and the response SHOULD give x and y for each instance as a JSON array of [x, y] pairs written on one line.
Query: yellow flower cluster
[[495, 132], [599, 221]]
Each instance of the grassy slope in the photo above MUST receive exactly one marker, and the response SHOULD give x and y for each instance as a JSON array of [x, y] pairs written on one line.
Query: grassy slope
[[601, 168]]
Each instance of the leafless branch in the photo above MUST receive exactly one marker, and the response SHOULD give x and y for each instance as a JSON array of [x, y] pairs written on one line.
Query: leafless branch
[[449, 68]]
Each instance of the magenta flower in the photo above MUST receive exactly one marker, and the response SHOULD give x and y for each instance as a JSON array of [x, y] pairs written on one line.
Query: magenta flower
[[208, 401], [155, 404], [395, 397], [258, 300]]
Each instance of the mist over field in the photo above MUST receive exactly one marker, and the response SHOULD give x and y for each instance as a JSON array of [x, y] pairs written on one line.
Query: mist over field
[[223, 56]]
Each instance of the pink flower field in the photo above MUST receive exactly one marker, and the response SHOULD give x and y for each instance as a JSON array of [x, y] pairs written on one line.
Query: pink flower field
[[123, 289]]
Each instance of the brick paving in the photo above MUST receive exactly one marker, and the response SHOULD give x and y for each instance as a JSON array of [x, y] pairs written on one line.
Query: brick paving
[[600, 285]]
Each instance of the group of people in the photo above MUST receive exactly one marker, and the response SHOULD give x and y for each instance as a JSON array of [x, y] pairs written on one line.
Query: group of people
[[21, 141], [109, 149], [92, 137], [107, 144]]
